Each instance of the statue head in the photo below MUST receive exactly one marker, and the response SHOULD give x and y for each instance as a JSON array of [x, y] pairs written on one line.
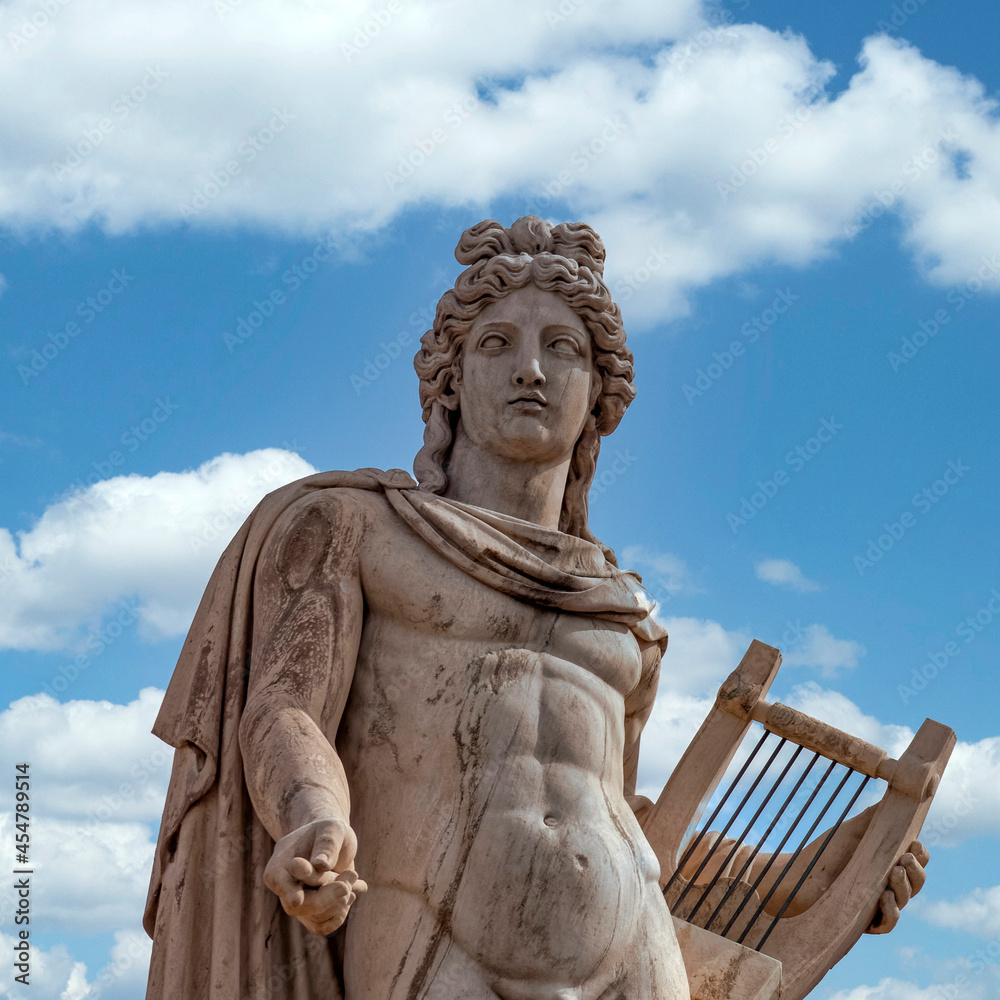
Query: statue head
[[567, 259]]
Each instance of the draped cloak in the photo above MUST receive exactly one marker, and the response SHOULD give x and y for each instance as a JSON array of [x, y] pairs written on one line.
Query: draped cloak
[[218, 932]]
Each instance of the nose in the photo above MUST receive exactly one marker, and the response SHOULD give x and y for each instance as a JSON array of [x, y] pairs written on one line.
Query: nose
[[529, 373]]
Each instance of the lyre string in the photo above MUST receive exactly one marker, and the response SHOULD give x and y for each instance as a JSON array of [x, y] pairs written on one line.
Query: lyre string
[[741, 839], [732, 819], [805, 840], [784, 840], [762, 840], [794, 857], [696, 842], [816, 857]]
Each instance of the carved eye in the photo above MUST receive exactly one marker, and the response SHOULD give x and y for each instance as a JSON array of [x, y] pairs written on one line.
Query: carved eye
[[565, 345], [492, 341]]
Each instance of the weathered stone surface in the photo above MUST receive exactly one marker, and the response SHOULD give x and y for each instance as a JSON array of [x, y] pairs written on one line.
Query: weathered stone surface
[[723, 970]]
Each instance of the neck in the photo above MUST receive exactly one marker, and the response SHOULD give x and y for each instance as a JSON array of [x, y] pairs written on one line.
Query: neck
[[532, 492]]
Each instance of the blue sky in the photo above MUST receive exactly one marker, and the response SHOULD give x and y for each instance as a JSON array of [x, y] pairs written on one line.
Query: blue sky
[[755, 187]]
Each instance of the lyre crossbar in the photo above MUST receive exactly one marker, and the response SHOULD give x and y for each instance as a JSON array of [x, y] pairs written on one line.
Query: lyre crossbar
[[741, 874]]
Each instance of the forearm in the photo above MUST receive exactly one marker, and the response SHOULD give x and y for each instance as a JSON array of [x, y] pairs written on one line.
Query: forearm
[[822, 873], [293, 773]]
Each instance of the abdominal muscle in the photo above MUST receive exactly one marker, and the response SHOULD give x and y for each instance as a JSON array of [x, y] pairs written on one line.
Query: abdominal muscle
[[528, 858], [552, 896]]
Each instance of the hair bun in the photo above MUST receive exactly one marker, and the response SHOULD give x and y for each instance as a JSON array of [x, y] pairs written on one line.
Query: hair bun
[[530, 235]]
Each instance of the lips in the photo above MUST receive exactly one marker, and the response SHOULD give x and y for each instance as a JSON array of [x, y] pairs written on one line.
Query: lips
[[530, 397]]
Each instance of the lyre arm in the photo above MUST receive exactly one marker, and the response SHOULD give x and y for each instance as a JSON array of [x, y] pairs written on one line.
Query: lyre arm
[[907, 776]]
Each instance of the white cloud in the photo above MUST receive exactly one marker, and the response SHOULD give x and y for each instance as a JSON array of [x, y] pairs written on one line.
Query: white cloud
[[82, 773], [56, 975], [52, 972], [838, 710], [127, 969], [99, 779], [816, 647], [701, 654], [966, 805], [724, 148], [784, 573], [674, 721], [3, 284], [130, 548], [897, 989], [978, 913], [670, 574]]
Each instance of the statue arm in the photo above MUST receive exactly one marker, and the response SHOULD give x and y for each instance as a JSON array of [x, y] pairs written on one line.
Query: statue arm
[[308, 615], [905, 881], [638, 706]]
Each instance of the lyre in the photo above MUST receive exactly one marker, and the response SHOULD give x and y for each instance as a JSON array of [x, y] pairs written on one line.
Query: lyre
[[823, 774]]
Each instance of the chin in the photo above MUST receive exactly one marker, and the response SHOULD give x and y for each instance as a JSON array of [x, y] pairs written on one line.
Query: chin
[[538, 448]]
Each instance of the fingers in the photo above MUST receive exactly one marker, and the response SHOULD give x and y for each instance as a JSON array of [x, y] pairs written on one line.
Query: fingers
[[326, 908], [334, 847], [915, 873], [359, 885], [887, 916], [305, 872], [281, 882], [900, 886], [920, 853]]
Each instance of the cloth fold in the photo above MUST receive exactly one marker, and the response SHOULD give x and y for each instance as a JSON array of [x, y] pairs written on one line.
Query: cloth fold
[[218, 932]]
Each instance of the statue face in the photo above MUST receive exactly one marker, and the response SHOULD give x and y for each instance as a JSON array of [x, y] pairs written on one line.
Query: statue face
[[527, 380]]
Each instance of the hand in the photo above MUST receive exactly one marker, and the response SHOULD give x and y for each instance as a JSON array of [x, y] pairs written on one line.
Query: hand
[[311, 873], [905, 881]]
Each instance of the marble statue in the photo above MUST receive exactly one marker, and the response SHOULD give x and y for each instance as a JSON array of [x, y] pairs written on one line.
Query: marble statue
[[407, 715]]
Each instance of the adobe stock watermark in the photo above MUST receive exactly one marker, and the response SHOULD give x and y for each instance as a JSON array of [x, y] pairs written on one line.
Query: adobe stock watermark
[[938, 660], [136, 952], [922, 502], [247, 152], [617, 467], [939, 827], [370, 29], [141, 772], [121, 108], [96, 643], [131, 440], [424, 148], [563, 11], [705, 378], [977, 962], [885, 198], [628, 285], [796, 459], [900, 14], [389, 351], [32, 26], [293, 278], [757, 156], [686, 53], [233, 513], [88, 310], [929, 328], [580, 160]]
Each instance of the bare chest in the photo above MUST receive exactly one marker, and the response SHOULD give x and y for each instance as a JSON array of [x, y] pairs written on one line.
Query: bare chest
[[416, 596]]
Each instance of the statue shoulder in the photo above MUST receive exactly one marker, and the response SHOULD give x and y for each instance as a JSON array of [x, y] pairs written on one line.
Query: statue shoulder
[[325, 526]]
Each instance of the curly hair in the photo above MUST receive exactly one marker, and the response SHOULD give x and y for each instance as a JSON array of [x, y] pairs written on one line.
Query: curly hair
[[567, 259]]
